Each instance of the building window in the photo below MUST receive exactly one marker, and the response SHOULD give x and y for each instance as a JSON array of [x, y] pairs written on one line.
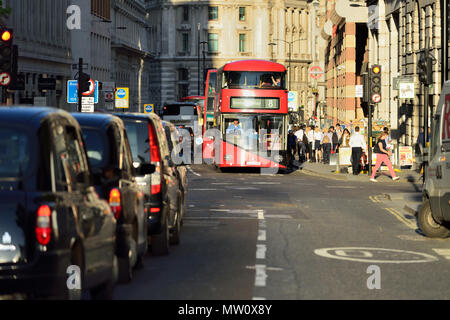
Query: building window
[[101, 9], [213, 42], [213, 13], [242, 42], [241, 13], [185, 13], [183, 74], [185, 42], [183, 91]]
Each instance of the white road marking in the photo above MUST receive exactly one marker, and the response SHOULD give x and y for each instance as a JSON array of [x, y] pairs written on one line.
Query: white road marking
[[203, 189], [261, 251], [261, 235], [260, 214], [259, 298], [342, 187], [279, 216], [221, 183], [374, 255], [193, 172], [443, 252], [260, 275]]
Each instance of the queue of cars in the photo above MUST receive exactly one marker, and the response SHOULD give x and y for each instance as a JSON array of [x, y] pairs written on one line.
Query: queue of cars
[[82, 199]]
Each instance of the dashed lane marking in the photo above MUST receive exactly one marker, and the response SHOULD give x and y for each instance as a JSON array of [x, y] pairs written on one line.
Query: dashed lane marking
[[261, 235]]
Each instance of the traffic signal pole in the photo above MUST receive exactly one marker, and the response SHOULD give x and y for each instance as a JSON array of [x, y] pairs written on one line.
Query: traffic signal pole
[[369, 139], [80, 72]]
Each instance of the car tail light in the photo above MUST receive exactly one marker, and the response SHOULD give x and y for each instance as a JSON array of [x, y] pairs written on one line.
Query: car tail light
[[154, 151], [154, 210], [156, 188], [43, 225], [155, 159], [114, 202]]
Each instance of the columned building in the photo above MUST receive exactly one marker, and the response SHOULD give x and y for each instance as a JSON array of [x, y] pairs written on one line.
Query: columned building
[[44, 44], [190, 37], [112, 41]]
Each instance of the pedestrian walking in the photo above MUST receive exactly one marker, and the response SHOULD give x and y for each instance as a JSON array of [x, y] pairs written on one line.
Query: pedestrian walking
[[334, 139], [358, 145], [383, 155], [318, 136], [291, 147], [311, 144], [300, 146], [326, 146]]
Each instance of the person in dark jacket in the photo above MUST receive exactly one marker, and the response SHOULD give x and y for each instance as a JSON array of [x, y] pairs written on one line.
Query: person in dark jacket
[[291, 147]]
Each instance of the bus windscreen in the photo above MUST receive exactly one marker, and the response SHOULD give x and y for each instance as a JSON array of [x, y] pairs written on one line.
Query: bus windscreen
[[253, 80]]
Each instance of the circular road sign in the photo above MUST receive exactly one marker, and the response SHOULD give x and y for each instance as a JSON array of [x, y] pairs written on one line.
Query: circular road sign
[[5, 78], [376, 98], [316, 72], [121, 93], [91, 88], [148, 108]]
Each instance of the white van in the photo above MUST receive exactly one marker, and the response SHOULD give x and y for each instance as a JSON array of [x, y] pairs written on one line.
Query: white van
[[434, 214]]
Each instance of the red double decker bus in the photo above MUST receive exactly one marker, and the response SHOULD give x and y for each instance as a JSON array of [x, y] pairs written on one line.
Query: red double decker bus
[[251, 113]]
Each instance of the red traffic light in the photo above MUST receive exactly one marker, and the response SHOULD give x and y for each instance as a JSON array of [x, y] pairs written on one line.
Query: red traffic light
[[6, 35]]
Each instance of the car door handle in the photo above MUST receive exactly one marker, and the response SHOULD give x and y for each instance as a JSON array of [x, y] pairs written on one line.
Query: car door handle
[[439, 172]]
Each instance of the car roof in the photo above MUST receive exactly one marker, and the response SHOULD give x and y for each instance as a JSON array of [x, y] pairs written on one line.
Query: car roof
[[138, 116], [33, 116], [96, 119]]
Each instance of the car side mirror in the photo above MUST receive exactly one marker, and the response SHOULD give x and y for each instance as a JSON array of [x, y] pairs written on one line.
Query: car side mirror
[[145, 168]]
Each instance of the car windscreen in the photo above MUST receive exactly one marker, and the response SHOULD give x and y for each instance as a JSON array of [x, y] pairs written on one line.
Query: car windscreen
[[16, 158], [97, 147], [137, 132], [179, 110]]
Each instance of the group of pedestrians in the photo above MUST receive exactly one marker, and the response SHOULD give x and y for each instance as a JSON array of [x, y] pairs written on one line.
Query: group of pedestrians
[[315, 145]]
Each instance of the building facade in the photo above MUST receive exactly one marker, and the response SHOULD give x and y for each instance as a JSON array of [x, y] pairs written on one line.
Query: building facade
[[112, 41], [189, 37], [393, 34]]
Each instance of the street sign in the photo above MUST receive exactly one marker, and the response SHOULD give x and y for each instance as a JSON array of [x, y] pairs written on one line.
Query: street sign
[[87, 104], [406, 90], [315, 72], [92, 87], [376, 98], [148, 108], [359, 91], [397, 80], [122, 96], [72, 91], [292, 101], [5, 78]]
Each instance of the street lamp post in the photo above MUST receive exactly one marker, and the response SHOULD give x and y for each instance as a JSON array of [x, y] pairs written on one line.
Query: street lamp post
[[198, 57], [203, 52]]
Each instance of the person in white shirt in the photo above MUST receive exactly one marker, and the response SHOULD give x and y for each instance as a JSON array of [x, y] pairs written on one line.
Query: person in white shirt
[[310, 136], [301, 147], [318, 136], [358, 145]]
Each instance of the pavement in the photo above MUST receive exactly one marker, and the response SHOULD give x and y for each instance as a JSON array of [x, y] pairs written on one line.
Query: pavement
[[409, 201]]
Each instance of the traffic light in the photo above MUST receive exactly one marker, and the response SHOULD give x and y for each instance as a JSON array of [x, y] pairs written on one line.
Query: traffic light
[[425, 68], [375, 84], [6, 40], [83, 82]]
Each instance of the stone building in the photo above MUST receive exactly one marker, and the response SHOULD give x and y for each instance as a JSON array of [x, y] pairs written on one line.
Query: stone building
[[391, 33], [112, 41], [44, 48], [190, 37]]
